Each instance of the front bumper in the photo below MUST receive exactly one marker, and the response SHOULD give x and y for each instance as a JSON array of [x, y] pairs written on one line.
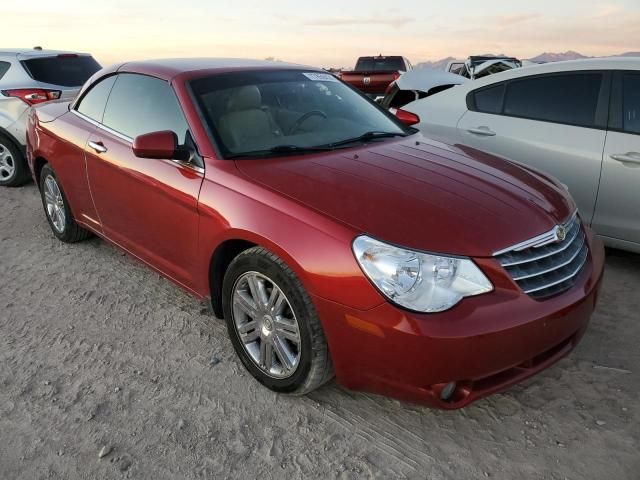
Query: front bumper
[[485, 343]]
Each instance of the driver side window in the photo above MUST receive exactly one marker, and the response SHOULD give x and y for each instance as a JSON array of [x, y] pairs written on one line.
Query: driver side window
[[140, 104]]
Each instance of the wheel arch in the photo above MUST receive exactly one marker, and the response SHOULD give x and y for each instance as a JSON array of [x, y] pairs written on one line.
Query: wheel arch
[[223, 254], [13, 140], [38, 165], [220, 260]]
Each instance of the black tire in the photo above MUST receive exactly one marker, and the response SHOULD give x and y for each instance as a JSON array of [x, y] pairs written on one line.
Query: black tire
[[71, 232], [20, 174], [314, 367]]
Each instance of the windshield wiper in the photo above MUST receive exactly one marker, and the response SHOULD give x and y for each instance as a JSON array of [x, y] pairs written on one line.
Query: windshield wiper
[[373, 135], [279, 149]]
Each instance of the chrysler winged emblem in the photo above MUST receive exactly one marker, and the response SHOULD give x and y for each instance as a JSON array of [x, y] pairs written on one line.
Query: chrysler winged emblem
[[561, 233]]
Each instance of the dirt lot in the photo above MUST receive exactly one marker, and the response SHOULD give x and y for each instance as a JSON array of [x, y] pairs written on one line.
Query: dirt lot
[[96, 350]]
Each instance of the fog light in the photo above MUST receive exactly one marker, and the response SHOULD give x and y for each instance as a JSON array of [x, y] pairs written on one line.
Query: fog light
[[448, 391]]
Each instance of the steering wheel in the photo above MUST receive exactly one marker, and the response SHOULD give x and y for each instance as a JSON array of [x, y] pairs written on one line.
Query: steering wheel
[[313, 113]]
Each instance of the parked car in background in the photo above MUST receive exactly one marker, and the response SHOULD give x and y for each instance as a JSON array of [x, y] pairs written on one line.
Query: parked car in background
[[481, 66], [577, 120], [410, 273], [373, 75], [29, 77], [418, 84]]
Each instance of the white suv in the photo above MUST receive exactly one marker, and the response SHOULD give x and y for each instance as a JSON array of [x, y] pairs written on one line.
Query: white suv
[[29, 77]]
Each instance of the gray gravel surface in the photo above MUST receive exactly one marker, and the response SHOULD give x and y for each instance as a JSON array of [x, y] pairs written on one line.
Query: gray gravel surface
[[109, 371]]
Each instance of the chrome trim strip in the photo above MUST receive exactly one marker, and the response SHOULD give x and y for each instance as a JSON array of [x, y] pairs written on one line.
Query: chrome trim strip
[[539, 241], [84, 117], [127, 139], [555, 267], [115, 133], [564, 279], [188, 165], [544, 255], [103, 127]]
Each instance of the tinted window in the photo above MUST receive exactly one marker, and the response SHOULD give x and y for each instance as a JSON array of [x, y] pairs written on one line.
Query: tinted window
[[493, 69], [571, 99], [631, 103], [4, 67], [63, 70], [379, 64], [489, 100], [93, 102], [399, 98], [139, 104]]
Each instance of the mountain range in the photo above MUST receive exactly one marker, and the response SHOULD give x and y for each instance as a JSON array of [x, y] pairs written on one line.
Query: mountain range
[[543, 57]]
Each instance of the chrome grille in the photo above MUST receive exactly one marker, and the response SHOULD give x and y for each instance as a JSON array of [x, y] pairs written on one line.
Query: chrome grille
[[546, 266]]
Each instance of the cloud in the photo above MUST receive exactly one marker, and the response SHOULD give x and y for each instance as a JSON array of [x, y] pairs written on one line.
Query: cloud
[[516, 19], [529, 33], [607, 10], [327, 39], [385, 20]]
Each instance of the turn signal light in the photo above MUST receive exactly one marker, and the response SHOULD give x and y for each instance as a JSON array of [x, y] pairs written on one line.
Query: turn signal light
[[33, 96], [405, 117]]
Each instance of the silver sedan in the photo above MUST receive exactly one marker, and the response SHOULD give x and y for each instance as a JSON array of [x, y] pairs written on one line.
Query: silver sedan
[[578, 121]]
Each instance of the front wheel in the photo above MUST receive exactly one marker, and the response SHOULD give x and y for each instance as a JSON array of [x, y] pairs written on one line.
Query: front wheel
[[57, 209], [273, 324]]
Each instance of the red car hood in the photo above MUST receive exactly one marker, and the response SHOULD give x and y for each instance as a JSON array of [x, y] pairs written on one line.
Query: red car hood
[[422, 194]]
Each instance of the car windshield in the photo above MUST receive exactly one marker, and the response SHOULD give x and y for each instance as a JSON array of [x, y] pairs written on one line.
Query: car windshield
[[266, 113]]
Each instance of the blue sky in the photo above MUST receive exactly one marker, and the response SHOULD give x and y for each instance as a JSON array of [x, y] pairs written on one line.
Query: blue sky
[[327, 33]]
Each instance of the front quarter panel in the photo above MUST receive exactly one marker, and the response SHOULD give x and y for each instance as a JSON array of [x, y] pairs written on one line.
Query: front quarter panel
[[317, 248]]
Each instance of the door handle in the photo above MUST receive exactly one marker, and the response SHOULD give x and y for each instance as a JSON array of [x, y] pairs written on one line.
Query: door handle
[[98, 147], [483, 131], [630, 157]]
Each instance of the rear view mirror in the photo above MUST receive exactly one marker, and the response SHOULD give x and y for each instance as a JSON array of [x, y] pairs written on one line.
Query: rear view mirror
[[162, 145]]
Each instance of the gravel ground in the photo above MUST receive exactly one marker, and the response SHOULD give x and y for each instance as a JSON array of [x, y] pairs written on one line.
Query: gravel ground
[[99, 355]]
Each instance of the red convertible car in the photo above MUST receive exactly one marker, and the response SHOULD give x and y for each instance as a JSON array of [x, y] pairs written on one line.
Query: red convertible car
[[331, 237]]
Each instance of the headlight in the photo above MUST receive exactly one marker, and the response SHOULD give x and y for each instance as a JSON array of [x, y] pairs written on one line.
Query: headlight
[[419, 281]]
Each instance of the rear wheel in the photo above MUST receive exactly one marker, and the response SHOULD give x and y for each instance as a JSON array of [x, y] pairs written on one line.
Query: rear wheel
[[57, 209], [273, 324], [13, 167]]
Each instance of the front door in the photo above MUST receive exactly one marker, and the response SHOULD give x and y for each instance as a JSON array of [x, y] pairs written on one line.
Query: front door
[[147, 206]]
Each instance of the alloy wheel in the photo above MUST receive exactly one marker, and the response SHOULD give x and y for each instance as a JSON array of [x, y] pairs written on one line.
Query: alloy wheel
[[7, 163], [266, 325], [54, 203]]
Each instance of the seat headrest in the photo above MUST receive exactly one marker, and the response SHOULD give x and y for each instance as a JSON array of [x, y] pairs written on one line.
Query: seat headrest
[[245, 98]]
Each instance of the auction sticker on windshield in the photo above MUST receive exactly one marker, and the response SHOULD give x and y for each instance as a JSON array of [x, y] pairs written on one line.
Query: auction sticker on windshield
[[320, 77]]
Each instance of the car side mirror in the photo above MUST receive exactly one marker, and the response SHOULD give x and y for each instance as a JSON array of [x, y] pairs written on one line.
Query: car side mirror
[[162, 145]]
